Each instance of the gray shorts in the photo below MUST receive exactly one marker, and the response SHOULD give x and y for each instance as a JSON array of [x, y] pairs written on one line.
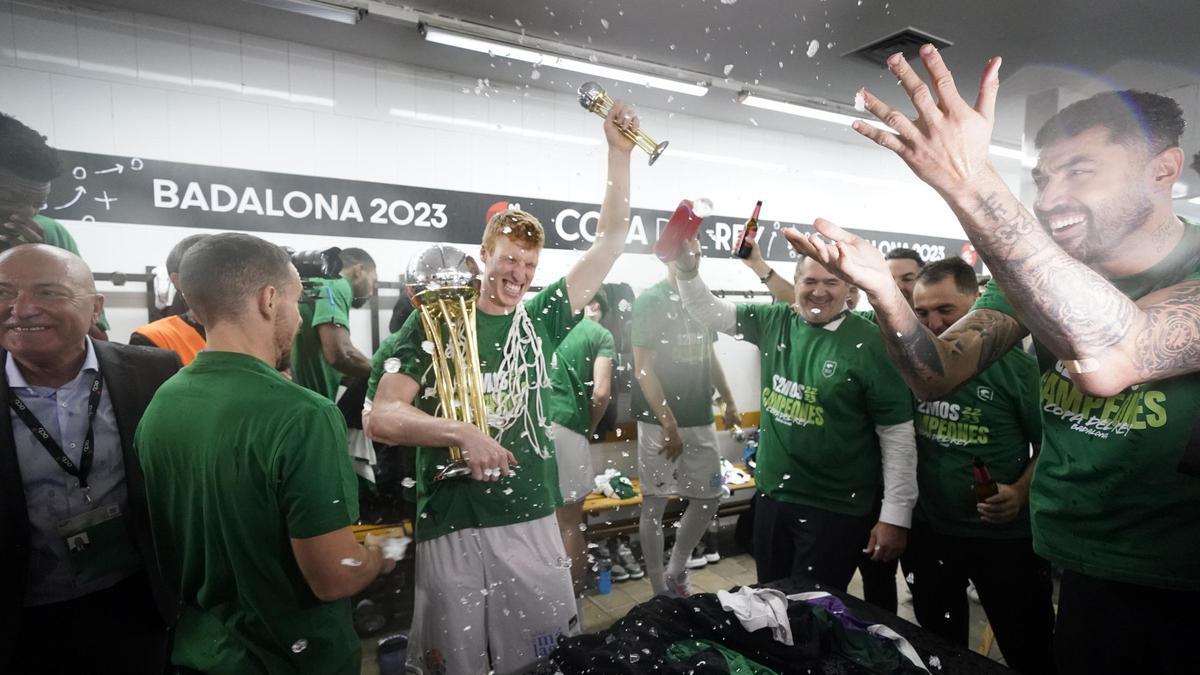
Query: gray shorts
[[696, 473], [574, 455], [499, 591]]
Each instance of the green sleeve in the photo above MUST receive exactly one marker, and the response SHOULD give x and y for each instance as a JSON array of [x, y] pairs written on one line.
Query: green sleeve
[[749, 320], [551, 310], [648, 330], [318, 490], [1026, 380], [889, 400], [607, 347], [333, 304], [993, 298], [56, 235]]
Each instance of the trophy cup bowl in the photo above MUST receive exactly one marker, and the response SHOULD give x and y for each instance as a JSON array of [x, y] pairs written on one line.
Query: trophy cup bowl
[[443, 284], [593, 99]]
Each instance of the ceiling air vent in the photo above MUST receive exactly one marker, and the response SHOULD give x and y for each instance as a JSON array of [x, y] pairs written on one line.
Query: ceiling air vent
[[908, 41]]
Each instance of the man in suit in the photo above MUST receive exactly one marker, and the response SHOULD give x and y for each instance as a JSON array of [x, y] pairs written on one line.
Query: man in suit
[[79, 583]]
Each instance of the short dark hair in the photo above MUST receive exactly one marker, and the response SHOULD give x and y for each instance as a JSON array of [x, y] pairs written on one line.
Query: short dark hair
[[905, 254], [964, 275], [1128, 115], [176, 255], [219, 272], [599, 299], [25, 153], [357, 256]]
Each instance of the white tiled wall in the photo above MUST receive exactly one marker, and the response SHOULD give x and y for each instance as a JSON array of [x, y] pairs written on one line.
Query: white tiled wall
[[134, 84]]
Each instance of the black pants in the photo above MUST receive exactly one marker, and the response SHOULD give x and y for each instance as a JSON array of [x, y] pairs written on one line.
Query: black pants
[[116, 630], [1112, 627], [1014, 588], [797, 540], [879, 579]]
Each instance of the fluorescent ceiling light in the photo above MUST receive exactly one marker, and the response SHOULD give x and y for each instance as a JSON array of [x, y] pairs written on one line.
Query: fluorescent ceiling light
[[485, 126], [820, 114], [507, 51], [319, 9]]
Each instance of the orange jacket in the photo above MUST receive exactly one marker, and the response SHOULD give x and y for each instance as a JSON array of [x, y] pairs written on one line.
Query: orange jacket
[[175, 334]]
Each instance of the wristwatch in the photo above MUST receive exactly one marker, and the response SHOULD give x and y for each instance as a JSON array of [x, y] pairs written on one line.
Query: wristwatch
[[767, 277]]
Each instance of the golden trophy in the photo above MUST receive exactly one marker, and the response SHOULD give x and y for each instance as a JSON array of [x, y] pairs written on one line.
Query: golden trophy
[[443, 283], [593, 99]]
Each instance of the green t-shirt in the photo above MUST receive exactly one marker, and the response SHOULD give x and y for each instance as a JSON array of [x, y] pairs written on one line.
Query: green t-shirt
[[868, 314], [54, 234], [682, 359], [1107, 498], [238, 461], [993, 416], [309, 367], [823, 393], [570, 402], [530, 492]]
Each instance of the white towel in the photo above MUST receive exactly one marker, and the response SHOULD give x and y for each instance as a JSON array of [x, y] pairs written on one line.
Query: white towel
[[759, 608]]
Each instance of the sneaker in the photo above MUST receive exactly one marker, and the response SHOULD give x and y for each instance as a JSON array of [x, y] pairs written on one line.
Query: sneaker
[[630, 563], [697, 558], [679, 586], [619, 573], [712, 557]]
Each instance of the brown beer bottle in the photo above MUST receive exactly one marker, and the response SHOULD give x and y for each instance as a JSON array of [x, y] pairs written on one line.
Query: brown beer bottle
[[749, 232], [984, 485]]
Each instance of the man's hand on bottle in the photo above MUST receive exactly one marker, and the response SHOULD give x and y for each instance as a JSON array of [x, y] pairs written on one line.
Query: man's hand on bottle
[[1004, 506]]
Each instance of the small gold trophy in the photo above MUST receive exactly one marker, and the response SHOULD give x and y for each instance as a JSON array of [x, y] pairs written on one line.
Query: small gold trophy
[[593, 99], [443, 283]]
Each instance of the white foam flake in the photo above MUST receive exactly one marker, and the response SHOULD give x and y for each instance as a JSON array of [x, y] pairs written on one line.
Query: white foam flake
[[351, 562], [860, 101], [813, 46], [728, 69]]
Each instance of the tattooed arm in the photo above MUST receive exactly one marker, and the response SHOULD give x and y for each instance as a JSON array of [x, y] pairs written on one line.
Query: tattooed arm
[[1074, 311], [932, 365]]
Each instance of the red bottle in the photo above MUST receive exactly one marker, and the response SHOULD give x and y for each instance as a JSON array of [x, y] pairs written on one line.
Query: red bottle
[[683, 226], [984, 485], [742, 250]]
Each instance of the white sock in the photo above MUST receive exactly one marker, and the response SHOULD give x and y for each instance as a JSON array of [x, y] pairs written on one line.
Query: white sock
[[650, 532], [692, 526]]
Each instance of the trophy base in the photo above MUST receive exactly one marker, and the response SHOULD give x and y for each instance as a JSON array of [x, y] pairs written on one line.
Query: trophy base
[[453, 470], [658, 150]]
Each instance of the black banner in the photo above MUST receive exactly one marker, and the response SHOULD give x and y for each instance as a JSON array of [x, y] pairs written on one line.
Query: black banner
[[103, 188]]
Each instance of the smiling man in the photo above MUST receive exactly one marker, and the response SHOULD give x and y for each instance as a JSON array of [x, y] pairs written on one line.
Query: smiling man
[[493, 581], [1107, 279], [836, 425], [78, 555]]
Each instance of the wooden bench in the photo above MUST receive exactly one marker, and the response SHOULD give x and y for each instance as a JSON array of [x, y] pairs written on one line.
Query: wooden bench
[[596, 503]]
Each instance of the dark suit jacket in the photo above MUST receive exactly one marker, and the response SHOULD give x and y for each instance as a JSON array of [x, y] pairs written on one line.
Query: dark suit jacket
[[131, 376]]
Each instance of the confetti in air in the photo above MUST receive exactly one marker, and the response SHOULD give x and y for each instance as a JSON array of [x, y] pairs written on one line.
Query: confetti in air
[[860, 101], [813, 46]]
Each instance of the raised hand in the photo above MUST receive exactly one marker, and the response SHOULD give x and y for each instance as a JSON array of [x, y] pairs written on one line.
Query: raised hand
[[621, 116], [21, 228], [852, 258], [947, 144]]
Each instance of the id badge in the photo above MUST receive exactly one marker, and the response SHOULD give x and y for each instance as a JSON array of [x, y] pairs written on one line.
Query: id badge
[[98, 544]]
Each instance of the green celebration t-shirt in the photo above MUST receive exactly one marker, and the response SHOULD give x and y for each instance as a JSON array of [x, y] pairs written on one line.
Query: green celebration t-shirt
[[530, 492], [571, 373], [682, 357], [1107, 498], [823, 393], [238, 461], [993, 416], [309, 367], [54, 234]]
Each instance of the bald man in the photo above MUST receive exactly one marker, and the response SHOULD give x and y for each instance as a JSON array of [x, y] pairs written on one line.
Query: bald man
[[79, 588]]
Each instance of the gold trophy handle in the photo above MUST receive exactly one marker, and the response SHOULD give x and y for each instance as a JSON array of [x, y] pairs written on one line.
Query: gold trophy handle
[[601, 104]]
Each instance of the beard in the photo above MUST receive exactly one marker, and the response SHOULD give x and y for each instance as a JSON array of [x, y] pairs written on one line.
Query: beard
[[1107, 226]]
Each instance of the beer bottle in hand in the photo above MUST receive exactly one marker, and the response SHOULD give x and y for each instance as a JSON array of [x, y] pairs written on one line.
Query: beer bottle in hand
[[750, 231], [984, 485]]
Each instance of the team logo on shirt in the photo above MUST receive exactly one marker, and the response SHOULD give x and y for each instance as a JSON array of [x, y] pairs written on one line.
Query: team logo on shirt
[[829, 368], [984, 393]]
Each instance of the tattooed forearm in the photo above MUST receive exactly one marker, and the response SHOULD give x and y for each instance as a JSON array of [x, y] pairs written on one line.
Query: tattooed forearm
[[935, 365], [1009, 226], [1076, 311], [1168, 343]]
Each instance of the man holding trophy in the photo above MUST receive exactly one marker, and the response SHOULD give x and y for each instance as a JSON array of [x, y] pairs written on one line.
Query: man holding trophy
[[493, 582]]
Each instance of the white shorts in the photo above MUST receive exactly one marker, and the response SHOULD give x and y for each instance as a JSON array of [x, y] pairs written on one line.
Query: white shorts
[[574, 456], [499, 591], [696, 473]]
